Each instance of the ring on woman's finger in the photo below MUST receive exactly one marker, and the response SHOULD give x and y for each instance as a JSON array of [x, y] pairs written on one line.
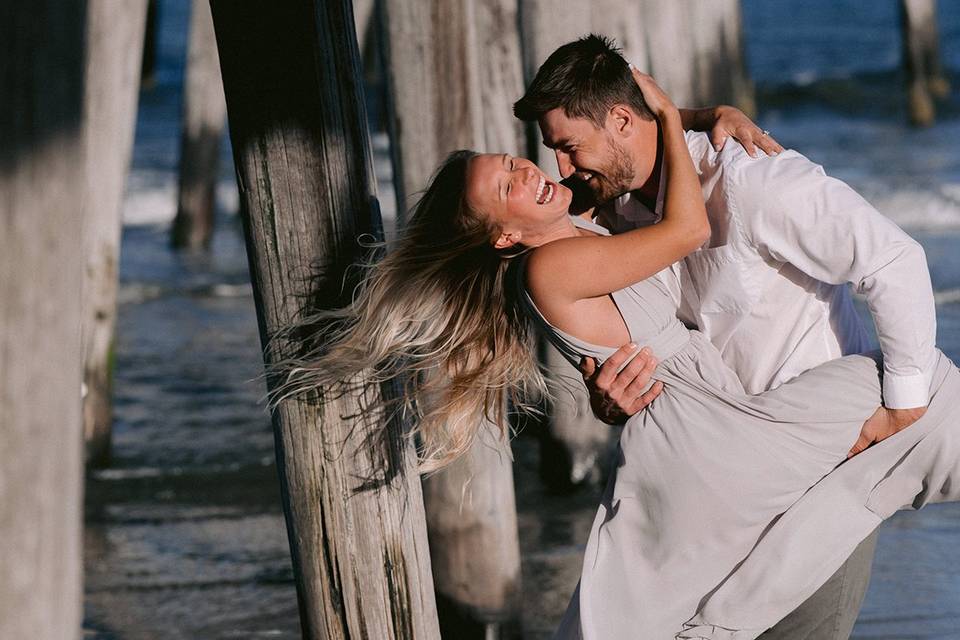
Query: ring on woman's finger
[[765, 132]]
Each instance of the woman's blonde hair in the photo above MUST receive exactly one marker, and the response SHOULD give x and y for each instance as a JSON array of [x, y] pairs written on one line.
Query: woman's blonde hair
[[440, 316]]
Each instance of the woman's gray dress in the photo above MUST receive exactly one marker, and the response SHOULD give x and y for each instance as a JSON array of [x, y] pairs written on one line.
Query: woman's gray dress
[[709, 527]]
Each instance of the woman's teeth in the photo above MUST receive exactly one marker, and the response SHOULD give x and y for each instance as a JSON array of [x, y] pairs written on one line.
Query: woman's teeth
[[545, 191]]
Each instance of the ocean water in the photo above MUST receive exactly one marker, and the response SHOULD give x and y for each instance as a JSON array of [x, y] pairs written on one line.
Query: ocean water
[[184, 532]]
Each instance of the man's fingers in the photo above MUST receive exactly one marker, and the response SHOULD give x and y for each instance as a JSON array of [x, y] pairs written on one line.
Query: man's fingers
[[588, 366], [640, 374], [629, 374], [650, 395], [644, 400], [862, 443], [608, 370], [650, 365]]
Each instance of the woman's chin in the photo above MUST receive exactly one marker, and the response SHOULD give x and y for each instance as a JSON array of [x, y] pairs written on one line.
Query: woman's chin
[[563, 199]]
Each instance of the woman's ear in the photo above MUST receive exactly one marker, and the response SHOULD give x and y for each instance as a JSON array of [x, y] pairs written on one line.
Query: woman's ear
[[621, 118], [507, 240]]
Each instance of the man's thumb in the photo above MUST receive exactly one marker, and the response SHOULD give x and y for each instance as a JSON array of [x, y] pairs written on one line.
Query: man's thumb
[[587, 366]]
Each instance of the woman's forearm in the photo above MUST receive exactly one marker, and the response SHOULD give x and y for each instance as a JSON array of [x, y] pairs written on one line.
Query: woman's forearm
[[683, 208]]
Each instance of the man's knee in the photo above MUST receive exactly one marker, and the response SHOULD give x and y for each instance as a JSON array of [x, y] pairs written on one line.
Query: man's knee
[[830, 613]]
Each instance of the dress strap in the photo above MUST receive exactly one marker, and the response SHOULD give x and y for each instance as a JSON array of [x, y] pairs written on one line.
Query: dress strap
[[589, 225]]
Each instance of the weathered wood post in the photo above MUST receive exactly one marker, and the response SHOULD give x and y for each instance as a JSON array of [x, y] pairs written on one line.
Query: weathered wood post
[[204, 116], [717, 58], [298, 126], [41, 267], [454, 71], [921, 57], [112, 84]]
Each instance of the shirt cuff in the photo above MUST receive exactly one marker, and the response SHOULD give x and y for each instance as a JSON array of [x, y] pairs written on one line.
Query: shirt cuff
[[905, 392]]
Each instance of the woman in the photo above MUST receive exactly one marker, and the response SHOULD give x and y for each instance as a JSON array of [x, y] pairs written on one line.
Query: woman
[[704, 472]]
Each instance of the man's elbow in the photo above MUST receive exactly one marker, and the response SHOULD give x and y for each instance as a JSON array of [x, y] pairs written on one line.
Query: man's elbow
[[913, 260], [917, 253]]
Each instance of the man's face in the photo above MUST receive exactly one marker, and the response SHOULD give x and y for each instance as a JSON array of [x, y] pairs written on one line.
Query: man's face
[[594, 155]]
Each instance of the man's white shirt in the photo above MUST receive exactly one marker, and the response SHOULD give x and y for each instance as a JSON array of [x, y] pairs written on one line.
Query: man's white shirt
[[769, 289]]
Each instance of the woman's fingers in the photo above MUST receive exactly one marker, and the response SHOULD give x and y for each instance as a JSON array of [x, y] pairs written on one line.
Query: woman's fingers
[[653, 95], [770, 146], [731, 122], [748, 138]]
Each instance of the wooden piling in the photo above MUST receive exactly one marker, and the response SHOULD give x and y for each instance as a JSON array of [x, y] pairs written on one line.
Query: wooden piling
[[298, 127], [204, 116], [921, 57], [41, 276], [475, 552], [112, 84], [454, 70]]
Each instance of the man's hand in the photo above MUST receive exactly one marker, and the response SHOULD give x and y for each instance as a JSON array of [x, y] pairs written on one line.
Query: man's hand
[[614, 397], [883, 424]]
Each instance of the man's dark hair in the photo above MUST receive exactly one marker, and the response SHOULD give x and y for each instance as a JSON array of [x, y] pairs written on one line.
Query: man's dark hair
[[585, 78]]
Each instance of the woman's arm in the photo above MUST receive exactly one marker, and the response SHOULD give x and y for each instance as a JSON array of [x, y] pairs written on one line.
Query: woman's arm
[[585, 267]]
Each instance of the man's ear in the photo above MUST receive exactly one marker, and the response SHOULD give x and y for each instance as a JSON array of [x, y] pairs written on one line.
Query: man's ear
[[622, 120], [507, 240]]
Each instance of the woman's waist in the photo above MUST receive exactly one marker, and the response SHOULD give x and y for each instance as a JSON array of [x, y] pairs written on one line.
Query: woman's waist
[[667, 343]]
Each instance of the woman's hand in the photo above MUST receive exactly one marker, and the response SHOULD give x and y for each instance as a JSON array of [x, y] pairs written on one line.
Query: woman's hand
[[730, 122], [658, 102]]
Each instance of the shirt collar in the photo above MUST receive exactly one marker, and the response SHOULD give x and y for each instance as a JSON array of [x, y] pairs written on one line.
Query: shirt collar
[[632, 208]]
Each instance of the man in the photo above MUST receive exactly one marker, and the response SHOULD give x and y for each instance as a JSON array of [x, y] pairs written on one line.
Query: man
[[768, 289]]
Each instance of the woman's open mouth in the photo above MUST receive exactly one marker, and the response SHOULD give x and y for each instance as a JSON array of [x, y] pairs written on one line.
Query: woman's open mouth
[[545, 191]]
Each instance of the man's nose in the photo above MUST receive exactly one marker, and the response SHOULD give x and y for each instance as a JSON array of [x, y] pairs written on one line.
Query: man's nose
[[564, 165]]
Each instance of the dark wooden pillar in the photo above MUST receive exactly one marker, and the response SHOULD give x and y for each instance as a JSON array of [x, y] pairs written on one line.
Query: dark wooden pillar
[[298, 127], [41, 276]]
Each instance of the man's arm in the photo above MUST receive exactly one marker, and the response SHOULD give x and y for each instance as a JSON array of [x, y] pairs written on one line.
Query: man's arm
[[818, 224]]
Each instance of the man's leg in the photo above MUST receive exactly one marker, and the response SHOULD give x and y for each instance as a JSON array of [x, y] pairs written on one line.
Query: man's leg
[[830, 613]]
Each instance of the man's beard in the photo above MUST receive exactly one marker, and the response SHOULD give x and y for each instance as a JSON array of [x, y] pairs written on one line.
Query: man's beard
[[614, 179]]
